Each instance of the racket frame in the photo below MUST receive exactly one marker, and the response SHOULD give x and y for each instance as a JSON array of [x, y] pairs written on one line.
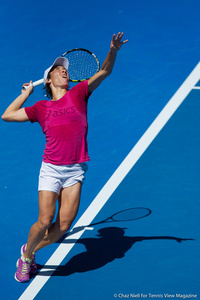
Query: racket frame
[[85, 50]]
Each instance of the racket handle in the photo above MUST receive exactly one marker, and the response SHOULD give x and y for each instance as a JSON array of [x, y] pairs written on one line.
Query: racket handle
[[35, 83], [38, 82]]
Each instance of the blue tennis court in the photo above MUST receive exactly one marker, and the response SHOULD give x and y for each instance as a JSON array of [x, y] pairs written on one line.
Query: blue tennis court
[[144, 138]]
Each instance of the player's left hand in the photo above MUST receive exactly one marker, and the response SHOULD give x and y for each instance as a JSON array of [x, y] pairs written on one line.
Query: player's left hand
[[117, 42]]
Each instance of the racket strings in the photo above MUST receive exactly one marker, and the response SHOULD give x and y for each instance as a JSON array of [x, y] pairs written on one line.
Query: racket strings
[[82, 65]]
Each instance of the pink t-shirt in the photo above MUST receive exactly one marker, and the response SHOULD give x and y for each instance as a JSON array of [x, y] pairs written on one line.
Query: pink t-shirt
[[64, 123]]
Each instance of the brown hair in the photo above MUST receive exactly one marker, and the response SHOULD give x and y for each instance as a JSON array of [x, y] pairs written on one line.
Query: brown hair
[[48, 92]]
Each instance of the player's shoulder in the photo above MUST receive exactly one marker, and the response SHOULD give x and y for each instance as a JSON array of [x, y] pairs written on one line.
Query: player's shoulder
[[44, 103], [80, 88], [80, 85]]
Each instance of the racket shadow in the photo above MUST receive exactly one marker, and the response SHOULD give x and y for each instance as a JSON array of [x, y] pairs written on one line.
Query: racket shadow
[[126, 215]]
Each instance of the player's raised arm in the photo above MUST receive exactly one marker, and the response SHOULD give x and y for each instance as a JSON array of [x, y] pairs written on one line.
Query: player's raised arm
[[109, 62], [14, 112]]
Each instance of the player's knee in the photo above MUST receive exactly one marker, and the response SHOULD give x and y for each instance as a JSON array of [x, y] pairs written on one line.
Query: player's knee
[[45, 222], [65, 226]]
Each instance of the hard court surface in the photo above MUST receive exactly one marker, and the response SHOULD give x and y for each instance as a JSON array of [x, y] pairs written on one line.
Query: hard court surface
[[144, 139]]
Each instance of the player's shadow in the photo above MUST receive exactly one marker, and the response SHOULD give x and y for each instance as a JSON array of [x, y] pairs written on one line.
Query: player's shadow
[[110, 244]]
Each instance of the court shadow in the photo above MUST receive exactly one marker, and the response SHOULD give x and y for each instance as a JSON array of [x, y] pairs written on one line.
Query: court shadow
[[109, 244], [125, 215]]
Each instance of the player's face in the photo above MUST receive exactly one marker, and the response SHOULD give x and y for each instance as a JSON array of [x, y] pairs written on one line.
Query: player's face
[[60, 76]]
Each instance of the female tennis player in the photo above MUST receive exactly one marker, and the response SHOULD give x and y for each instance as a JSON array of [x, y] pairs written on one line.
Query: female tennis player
[[64, 122]]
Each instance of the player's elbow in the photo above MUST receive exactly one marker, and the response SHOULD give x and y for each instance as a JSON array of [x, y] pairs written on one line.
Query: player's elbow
[[6, 117], [106, 72]]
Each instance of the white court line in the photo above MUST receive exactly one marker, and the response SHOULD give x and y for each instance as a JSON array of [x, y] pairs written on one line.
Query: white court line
[[111, 185]]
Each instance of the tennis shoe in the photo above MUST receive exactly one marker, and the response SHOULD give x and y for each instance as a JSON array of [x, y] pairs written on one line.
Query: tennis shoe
[[23, 269], [33, 263]]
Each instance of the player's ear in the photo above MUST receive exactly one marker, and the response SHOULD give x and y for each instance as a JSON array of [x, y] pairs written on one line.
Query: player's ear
[[48, 80]]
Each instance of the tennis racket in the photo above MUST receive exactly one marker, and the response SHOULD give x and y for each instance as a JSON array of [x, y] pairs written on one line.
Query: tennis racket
[[83, 64]]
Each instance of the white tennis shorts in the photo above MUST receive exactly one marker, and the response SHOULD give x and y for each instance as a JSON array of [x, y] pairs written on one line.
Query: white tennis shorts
[[55, 177]]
